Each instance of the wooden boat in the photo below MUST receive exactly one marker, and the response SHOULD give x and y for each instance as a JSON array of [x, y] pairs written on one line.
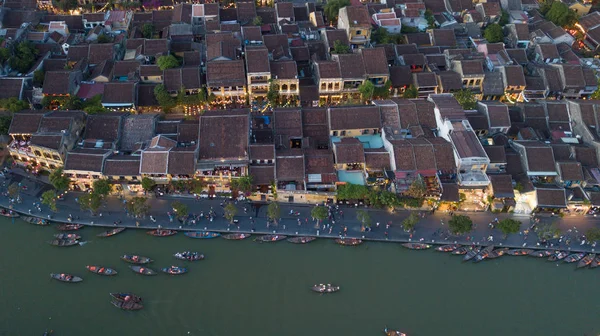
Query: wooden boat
[[202, 234], [595, 263], [142, 270], [497, 253], [101, 270], [63, 242], [462, 250], [558, 255], [484, 253], [110, 233], [416, 246], [471, 254], [585, 261], [35, 220], [189, 256], [161, 233], [519, 252], [236, 236], [270, 238], [540, 253], [126, 297], [574, 257], [65, 277], [127, 305], [301, 240], [135, 259], [8, 213], [174, 270], [69, 227], [389, 332], [68, 236], [348, 241], [328, 288], [447, 248]]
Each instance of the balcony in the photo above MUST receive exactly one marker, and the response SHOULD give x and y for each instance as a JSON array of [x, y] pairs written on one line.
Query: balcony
[[474, 178]]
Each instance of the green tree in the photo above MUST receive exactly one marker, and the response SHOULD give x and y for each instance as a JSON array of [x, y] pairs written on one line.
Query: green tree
[[509, 225], [90, 201], [230, 212], [319, 212], [14, 189], [38, 78], [596, 94], [274, 212], [466, 99], [103, 38], [180, 208], [409, 222], [410, 92], [4, 55], [273, 93], [138, 207], [340, 48], [366, 90], [430, 19], [504, 18], [380, 36], [387, 199], [364, 218], [148, 184], [5, 124], [493, 33], [383, 92], [13, 104], [101, 187], [64, 5], [460, 224], [164, 98], [417, 188], [559, 13], [148, 30], [196, 186], [167, 62], [59, 180], [23, 57], [332, 8], [257, 21], [49, 199], [351, 191], [93, 105], [593, 234], [243, 184]]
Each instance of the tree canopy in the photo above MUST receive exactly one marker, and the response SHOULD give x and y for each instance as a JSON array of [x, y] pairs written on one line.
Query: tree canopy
[[167, 62], [90, 201], [593, 234], [382, 36], [243, 184], [340, 48], [180, 208], [273, 93], [366, 90], [319, 212], [417, 188], [409, 222], [509, 225], [332, 8], [59, 180], [351, 191], [559, 13], [101, 187], [49, 199], [274, 211], [460, 224], [410, 92], [13, 104], [148, 183], [466, 99], [5, 124], [230, 212], [147, 30], [257, 21], [430, 19], [164, 98], [493, 33], [363, 217], [137, 206], [24, 56]]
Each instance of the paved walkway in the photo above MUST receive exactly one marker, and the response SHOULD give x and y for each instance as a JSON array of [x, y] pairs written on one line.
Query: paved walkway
[[251, 217]]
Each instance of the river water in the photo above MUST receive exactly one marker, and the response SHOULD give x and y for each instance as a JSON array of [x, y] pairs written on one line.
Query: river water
[[247, 288]]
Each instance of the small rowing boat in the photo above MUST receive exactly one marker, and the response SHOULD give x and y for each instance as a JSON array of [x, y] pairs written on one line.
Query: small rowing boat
[[328, 288], [236, 236], [348, 241], [127, 305], [65, 277], [8, 213], [471, 254], [161, 233], [484, 253], [174, 270], [270, 238], [202, 234], [142, 270], [586, 261], [35, 221], [519, 252], [101, 270], [540, 253], [63, 242], [69, 227], [301, 240], [558, 255], [416, 246], [462, 250], [69, 236], [126, 297], [595, 263], [189, 256], [497, 253], [135, 259], [574, 257], [389, 332], [110, 233], [447, 248]]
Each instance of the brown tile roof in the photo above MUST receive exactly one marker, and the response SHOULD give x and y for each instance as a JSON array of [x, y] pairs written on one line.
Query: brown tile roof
[[513, 75], [401, 76], [562, 152], [59, 84], [145, 94], [502, 186], [50, 124], [328, 69], [408, 114], [497, 114], [321, 162], [188, 131], [182, 161], [570, 171], [91, 160], [444, 157], [287, 122], [557, 111], [225, 73], [284, 9], [414, 59], [496, 154], [425, 113], [137, 129], [122, 165], [192, 58], [390, 116], [284, 69], [420, 39], [155, 161], [51, 141], [349, 118], [590, 21], [375, 61], [150, 70], [551, 197], [177, 78], [100, 52], [351, 65], [358, 15], [448, 106], [105, 127], [262, 152], [548, 51], [224, 136], [257, 59], [333, 35], [450, 80], [289, 168], [268, 15], [402, 49], [469, 67], [443, 37], [425, 79], [277, 45], [155, 47], [518, 55], [262, 175], [117, 93], [252, 33], [246, 11], [377, 159], [349, 150], [125, 68], [539, 156], [586, 156]]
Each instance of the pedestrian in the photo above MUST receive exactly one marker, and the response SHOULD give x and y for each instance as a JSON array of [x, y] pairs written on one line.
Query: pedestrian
[[137, 224]]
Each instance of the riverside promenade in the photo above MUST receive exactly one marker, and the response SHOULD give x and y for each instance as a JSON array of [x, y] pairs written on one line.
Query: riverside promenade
[[252, 218]]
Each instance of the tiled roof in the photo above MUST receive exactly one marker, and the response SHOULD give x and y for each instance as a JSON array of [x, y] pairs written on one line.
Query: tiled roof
[[349, 118], [125, 68], [502, 186], [262, 175], [284, 69], [443, 37], [496, 154], [103, 127], [589, 21], [539, 156], [401, 76], [246, 11], [257, 60], [377, 159], [137, 129], [155, 161], [290, 168], [285, 9], [420, 39], [328, 69], [450, 80], [122, 165], [513, 75], [26, 122], [87, 160], [375, 61], [262, 152], [225, 73], [99, 52], [551, 197], [425, 79], [333, 35], [57, 83], [497, 114], [570, 171], [223, 136], [119, 93], [188, 131], [349, 150], [287, 122], [182, 161], [351, 65]]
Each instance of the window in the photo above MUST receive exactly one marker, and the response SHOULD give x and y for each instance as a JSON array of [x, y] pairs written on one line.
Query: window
[[323, 86], [293, 87], [342, 133], [52, 166], [37, 153], [358, 32], [56, 157], [365, 132], [284, 87], [335, 133], [121, 177]]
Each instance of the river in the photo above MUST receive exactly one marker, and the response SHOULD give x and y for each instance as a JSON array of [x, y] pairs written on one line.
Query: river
[[248, 288]]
